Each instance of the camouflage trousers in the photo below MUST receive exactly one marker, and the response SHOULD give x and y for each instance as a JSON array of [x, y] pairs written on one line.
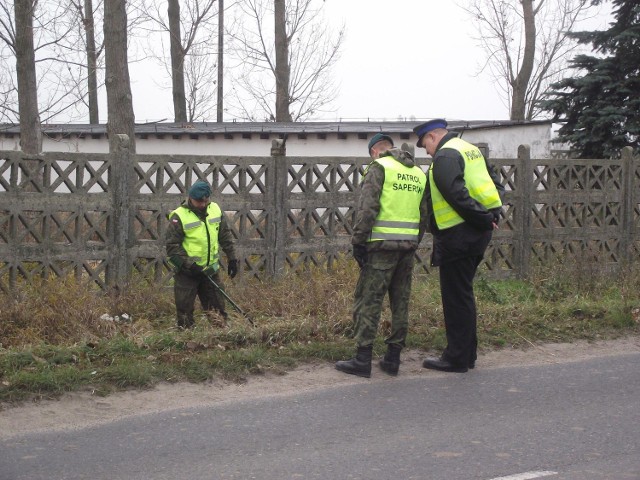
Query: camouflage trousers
[[187, 287], [385, 272]]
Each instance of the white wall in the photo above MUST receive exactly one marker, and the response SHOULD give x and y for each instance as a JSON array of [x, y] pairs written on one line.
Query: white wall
[[503, 143]]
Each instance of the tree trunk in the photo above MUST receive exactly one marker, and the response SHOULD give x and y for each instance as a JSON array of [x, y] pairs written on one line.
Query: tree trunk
[[119, 100], [283, 69], [177, 63], [520, 83], [30, 130], [220, 106], [92, 70]]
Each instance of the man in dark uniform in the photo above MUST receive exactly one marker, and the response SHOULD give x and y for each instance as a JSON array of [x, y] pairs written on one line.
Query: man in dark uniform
[[390, 222], [197, 229], [464, 203]]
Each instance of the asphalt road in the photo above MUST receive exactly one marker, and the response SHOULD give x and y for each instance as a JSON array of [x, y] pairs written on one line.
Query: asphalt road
[[571, 421]]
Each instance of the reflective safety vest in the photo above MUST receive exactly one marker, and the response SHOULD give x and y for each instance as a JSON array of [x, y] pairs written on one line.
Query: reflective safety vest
[[399, 215], [201, 238], [477, 180]]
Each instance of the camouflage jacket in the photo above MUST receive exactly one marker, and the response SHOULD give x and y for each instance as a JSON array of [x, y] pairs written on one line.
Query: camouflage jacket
[[175, 235], [369, 206]]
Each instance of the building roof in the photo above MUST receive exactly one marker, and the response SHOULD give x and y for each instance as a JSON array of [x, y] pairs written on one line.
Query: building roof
[[403, 128]]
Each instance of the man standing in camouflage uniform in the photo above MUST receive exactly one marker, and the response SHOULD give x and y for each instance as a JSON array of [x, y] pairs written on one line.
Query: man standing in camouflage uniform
[[197, 229], [390, 222]]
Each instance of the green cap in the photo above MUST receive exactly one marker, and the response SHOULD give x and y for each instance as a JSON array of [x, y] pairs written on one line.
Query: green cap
[[378, 137]]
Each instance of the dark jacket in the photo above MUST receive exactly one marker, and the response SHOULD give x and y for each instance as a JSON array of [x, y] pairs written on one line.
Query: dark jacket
[[369, 207], [175, 236], [471, 237]]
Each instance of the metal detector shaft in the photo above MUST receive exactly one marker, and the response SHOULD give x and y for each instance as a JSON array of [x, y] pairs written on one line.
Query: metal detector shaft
[[235, 305]]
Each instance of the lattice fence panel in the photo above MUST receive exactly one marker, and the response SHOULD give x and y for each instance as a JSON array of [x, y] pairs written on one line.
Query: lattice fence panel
[[575, 251], [320, 196], [54, 217], [57, 213], [500, 257], [575, 215], [5, 230], [423, 258]]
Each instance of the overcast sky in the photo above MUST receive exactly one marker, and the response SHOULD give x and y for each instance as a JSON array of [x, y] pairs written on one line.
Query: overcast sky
[[408, 58], [402, 58]]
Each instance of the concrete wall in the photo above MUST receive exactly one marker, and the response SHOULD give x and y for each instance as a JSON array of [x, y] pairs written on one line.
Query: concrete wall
[[504, 142]]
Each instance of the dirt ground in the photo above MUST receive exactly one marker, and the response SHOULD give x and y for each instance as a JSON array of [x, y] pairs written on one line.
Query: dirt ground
[[80, 410]]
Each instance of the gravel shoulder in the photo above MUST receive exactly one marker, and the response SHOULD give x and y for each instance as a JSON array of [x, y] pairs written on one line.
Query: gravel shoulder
[[81, 410]]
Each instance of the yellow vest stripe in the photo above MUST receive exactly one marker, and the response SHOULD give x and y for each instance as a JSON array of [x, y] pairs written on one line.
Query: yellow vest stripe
[[391, 224], [393, 236]]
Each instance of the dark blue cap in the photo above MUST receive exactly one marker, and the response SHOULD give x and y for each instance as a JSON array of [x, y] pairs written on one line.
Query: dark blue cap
[[424, 128], [378, 137], [200, 190]]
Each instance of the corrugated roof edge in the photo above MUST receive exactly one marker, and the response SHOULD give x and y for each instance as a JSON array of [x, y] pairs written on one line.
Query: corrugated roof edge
[[271, 127]]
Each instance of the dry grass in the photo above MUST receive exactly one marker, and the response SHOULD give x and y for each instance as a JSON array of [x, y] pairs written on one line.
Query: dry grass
[[54, 335]]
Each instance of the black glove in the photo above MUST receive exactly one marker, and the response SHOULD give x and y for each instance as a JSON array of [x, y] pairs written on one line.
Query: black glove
[[232, 269], [360, 254], [496, 215]]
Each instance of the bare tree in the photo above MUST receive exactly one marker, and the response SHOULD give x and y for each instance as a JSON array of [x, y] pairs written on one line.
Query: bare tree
[[8, 89], [527, 46], [283, 68], [190, 28], [119, 99], [220, 89], [86, 15], [58, 29], [201, 92], [280, 76], [30, 131], [177, 62]]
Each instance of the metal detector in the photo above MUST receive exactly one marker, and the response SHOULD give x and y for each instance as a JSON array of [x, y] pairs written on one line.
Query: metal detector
[[235, 305]]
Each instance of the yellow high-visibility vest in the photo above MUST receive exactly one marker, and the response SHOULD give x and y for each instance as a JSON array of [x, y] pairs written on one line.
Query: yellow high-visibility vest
[[399, 215], [476, 178], [201, 238]]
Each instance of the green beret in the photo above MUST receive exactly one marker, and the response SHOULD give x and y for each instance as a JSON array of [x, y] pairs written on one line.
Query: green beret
[[378, 137], [200, 190]]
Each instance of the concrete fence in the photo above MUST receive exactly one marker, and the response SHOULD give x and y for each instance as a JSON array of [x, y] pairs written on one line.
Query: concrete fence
[[102, 216]]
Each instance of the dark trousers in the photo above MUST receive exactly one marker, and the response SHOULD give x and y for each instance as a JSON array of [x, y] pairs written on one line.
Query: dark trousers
[[459, 308], [187, 287]]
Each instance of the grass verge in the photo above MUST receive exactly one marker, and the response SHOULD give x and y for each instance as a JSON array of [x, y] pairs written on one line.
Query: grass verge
[[60, 336]]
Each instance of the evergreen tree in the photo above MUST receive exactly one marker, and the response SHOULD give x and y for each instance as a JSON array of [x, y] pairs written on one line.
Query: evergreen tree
[[600, 110]]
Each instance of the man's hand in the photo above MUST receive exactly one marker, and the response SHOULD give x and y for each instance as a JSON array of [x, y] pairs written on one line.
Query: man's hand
[[496, 219], [232, 269], [360, 255]]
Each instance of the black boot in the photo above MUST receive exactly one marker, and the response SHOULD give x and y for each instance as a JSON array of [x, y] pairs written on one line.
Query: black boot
[[391, 362], [359, 365]]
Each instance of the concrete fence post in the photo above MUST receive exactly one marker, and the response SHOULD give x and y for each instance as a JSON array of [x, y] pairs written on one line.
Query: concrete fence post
[[524, 185], [278, 254], [628, 203]]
